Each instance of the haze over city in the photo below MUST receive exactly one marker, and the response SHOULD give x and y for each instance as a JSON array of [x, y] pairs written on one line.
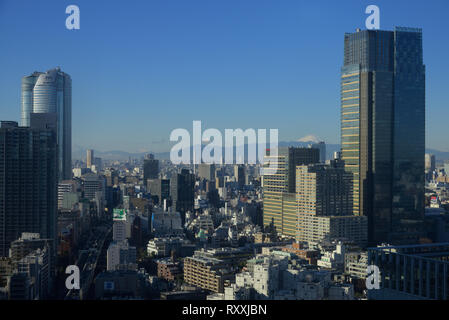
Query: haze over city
[[143, 69]]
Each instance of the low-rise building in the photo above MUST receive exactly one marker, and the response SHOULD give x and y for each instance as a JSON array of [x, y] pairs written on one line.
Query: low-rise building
[[163, 247], [168, 269]]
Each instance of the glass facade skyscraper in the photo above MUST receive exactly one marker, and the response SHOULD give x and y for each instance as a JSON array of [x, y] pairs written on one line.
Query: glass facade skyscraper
[[382, 130], [51, 92]]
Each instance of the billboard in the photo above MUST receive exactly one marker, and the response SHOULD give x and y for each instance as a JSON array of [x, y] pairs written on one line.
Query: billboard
[[120, 214]]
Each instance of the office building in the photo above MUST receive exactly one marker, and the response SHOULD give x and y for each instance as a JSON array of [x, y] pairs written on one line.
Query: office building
[[89, 158], [429, 163], [382, 130], [239, 174], [67, 195], [322, 147], [182, 192], [159, 190], [324, 190], [279, 197], [28, 188], [30, 278], [93, 183], [324, 203], [411, 272], [206, 171], [51, 92], [166, 223], [150, 168], [120, 255], [164, 247]]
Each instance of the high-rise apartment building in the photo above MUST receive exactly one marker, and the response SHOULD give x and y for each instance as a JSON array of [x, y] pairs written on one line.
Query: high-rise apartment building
[[28, 184], [324, 202], [382, 130], [279, 198], [51, 92], [324, 190]]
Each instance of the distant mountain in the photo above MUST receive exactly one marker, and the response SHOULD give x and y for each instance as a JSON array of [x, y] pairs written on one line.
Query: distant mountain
[[330, 148], [79, 153], [439, 155]]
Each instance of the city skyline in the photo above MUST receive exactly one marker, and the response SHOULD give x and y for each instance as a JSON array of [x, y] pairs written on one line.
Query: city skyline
[[246, 64], [311, 214]]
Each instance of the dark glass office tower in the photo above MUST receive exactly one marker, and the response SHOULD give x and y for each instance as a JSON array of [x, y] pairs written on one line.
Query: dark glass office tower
[[182, 192], [28, 183], [150, 168], [382, 130], [159, 188]]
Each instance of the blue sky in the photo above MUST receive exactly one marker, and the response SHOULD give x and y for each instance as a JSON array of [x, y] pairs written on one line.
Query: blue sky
[[143, 68]]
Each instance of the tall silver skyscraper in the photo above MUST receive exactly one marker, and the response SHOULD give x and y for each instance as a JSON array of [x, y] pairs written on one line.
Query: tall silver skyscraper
[[51, 92]]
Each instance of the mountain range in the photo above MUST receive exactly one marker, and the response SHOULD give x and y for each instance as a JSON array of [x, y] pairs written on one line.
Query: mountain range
[[79, 153]]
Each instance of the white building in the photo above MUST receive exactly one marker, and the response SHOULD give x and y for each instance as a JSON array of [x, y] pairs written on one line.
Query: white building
[[272, 277], [120, 253], [333, 259]]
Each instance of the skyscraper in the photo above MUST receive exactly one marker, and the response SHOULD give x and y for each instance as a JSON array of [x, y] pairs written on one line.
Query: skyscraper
[[239, 174], [182, 192], [150, 168], [324, 200], [324, 190], [51, 92], [28, 187], [160, 189], [429, 162], [89, 158], [382, 130], [322, 147], [279, 198]]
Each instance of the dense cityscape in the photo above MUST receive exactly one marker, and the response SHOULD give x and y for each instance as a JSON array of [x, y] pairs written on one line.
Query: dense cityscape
[[315, 228]]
